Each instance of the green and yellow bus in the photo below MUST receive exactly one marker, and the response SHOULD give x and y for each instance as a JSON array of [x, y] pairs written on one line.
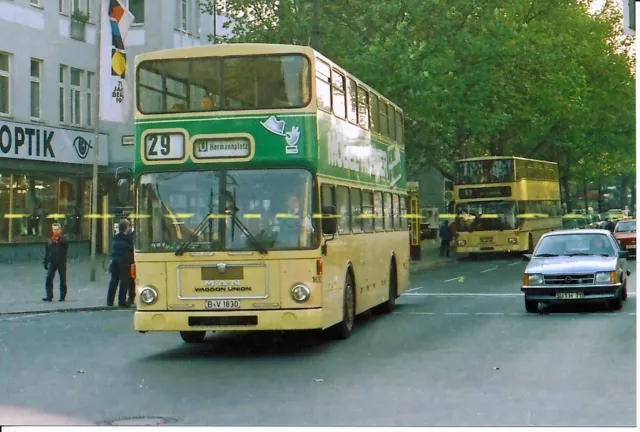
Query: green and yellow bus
[[271, 192], [504, 203]]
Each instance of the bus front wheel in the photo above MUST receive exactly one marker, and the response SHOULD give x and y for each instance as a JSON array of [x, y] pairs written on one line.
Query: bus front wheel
[[390, 304], [193, 336], [343, 329]]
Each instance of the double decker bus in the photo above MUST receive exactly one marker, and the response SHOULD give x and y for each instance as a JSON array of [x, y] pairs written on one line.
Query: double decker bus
[[271, 192], [505, 203]]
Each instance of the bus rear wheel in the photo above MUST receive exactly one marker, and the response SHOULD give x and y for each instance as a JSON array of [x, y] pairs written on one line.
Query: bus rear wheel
[[193, 336], [343, 329], [390, 305]]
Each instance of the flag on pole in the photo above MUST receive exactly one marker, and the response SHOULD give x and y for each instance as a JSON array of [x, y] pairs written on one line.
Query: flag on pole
[[115, 94]]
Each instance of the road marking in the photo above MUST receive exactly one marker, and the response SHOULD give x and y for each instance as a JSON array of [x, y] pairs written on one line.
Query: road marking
[[456, 313], [459, 278], [488, 270], [517, 313], [514, 263], [27, 316], [414, 289], [489, 313]]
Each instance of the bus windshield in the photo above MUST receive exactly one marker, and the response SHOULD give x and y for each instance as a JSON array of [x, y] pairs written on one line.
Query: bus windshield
[[214, 210], [205, 84], [486, 216]]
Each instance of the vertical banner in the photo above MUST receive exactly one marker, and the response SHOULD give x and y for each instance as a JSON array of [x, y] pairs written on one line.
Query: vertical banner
[[115, 91]]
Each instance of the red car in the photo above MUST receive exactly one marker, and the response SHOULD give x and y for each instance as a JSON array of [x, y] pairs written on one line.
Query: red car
[[625, 234]]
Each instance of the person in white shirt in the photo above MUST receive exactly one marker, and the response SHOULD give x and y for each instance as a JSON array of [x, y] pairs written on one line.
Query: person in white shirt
[[289, 226]]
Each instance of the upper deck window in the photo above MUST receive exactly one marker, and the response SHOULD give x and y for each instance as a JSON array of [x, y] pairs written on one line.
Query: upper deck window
[[263, 82], [484, 171]]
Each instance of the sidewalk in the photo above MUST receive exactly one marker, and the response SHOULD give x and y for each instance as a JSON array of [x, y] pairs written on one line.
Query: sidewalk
[[22, 284]]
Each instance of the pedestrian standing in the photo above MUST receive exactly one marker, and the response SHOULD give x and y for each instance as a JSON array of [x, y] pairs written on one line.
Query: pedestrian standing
[[121, 260], [446, 235], [55, 260]]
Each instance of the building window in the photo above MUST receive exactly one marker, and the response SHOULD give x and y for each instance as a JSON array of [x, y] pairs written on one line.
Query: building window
[[36, 87], [5, 82], [82, 5], [63, 92], [63, 7], [76, 96], [90, 81], [182, 15], [136, 7], [36, 3], [196, 18]]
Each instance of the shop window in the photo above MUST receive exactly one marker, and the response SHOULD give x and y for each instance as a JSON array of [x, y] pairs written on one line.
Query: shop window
[[5, 210], [37, 200]]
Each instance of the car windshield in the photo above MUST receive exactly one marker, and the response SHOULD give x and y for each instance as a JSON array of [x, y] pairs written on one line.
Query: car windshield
[[574, 245], [626, 227], [486, 216], [226, 210]]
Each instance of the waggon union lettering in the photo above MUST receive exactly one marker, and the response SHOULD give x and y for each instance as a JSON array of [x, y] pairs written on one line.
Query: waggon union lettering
[[223, 289], [26, 141]]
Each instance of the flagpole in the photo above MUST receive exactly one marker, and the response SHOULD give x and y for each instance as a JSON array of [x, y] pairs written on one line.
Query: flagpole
[[96, 147]]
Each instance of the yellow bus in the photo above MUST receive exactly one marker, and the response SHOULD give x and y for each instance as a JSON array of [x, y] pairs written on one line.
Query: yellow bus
[[271, 192], [504, 203]]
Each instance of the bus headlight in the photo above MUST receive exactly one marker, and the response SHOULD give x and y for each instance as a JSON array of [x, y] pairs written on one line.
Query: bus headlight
[[148, 295], [462, 242], [300, 293], [513, 240]]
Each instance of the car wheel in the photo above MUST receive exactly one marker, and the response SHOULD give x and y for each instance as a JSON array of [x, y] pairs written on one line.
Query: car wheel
[[193, 336], [624, 290], [530, 305], [616, 304]]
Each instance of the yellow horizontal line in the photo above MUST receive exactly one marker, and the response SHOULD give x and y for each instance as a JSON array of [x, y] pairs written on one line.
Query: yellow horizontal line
[[253, 216], [138, 216], [180, 215], [219, 216], [56, 216], [98, 216], [286, 216], [15, 216]]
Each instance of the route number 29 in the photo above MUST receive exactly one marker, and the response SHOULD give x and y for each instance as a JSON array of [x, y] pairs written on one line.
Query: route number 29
[[164, 146]]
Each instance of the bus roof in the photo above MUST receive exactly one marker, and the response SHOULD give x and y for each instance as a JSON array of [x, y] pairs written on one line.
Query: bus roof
[[503, 157]]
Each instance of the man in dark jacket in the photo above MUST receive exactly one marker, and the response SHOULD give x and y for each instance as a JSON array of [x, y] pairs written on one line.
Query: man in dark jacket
[[446, 235], [55, 260], [121, 260]]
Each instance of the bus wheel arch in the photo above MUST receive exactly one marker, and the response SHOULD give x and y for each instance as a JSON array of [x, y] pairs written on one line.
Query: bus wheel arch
[[388, 306]]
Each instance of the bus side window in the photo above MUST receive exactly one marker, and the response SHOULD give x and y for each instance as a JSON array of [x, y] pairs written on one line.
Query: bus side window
[[388, 212], [339, 104], [363, 108], [356, 210], [404, 221], [367, 211], [352, 102], [344, 210], [384, 119], [396, 212], [377, 211], [323, 86], [374, 113], [327, 195]]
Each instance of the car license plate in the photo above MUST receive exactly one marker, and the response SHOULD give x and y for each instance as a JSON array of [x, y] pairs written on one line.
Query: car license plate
[[222, 304], [569, 295]]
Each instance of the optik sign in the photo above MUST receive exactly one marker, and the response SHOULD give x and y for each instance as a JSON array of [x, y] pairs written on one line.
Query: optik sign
[[50, 144]]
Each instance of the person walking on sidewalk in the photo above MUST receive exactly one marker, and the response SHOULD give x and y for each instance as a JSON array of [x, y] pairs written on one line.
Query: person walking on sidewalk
[[121, 260], [446, 235], [55, 260]]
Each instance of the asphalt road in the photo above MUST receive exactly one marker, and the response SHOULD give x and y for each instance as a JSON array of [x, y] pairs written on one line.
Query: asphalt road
[[459, 351]]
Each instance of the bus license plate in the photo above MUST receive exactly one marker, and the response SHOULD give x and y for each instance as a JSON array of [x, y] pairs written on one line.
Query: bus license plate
[[222, 304], [570, 295]]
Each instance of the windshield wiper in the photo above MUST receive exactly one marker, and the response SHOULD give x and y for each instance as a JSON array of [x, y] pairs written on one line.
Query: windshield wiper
[[236, 220], [194, 234], [545, 255]]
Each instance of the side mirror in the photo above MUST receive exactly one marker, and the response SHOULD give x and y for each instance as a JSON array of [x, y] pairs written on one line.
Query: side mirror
[[628, 272], [526, 257], [122, 191], [623, 254], [329, 220]]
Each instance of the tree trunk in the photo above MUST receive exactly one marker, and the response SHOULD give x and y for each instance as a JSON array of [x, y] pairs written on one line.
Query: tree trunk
[[566, 191], [624, 183], [586, 197], [600, 203]]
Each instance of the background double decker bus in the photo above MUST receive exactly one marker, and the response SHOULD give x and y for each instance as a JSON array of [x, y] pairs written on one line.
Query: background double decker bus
[[505, 204], [271, 192]]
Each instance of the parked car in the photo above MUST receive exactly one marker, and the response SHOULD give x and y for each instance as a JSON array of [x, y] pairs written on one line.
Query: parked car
[[625, 234], [576, 266]]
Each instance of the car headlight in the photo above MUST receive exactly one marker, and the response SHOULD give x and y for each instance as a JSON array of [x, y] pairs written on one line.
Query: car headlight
[[513, 240], [300, 293], [462, 242], [148, 295], [532, 279], [606, 277]]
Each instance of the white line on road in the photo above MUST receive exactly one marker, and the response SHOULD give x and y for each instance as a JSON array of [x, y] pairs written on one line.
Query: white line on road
[[26, 316], [516, 313], [465, 294], [514, 263], [488, 270], [456, 313], [453, 279], [489, 313], [414, 289]]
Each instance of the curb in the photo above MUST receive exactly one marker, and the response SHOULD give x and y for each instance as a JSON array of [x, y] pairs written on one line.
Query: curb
[[81, 309]]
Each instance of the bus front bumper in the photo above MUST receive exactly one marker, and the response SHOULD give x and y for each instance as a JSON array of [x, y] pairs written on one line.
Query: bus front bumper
[[244, 320]]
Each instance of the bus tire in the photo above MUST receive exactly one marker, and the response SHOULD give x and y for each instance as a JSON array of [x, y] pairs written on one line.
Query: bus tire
[[193, 337], [343, 329], [390, 304], [530, 246]]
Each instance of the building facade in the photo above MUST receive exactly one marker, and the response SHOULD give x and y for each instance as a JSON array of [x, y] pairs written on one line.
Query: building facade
[[48, 65]]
